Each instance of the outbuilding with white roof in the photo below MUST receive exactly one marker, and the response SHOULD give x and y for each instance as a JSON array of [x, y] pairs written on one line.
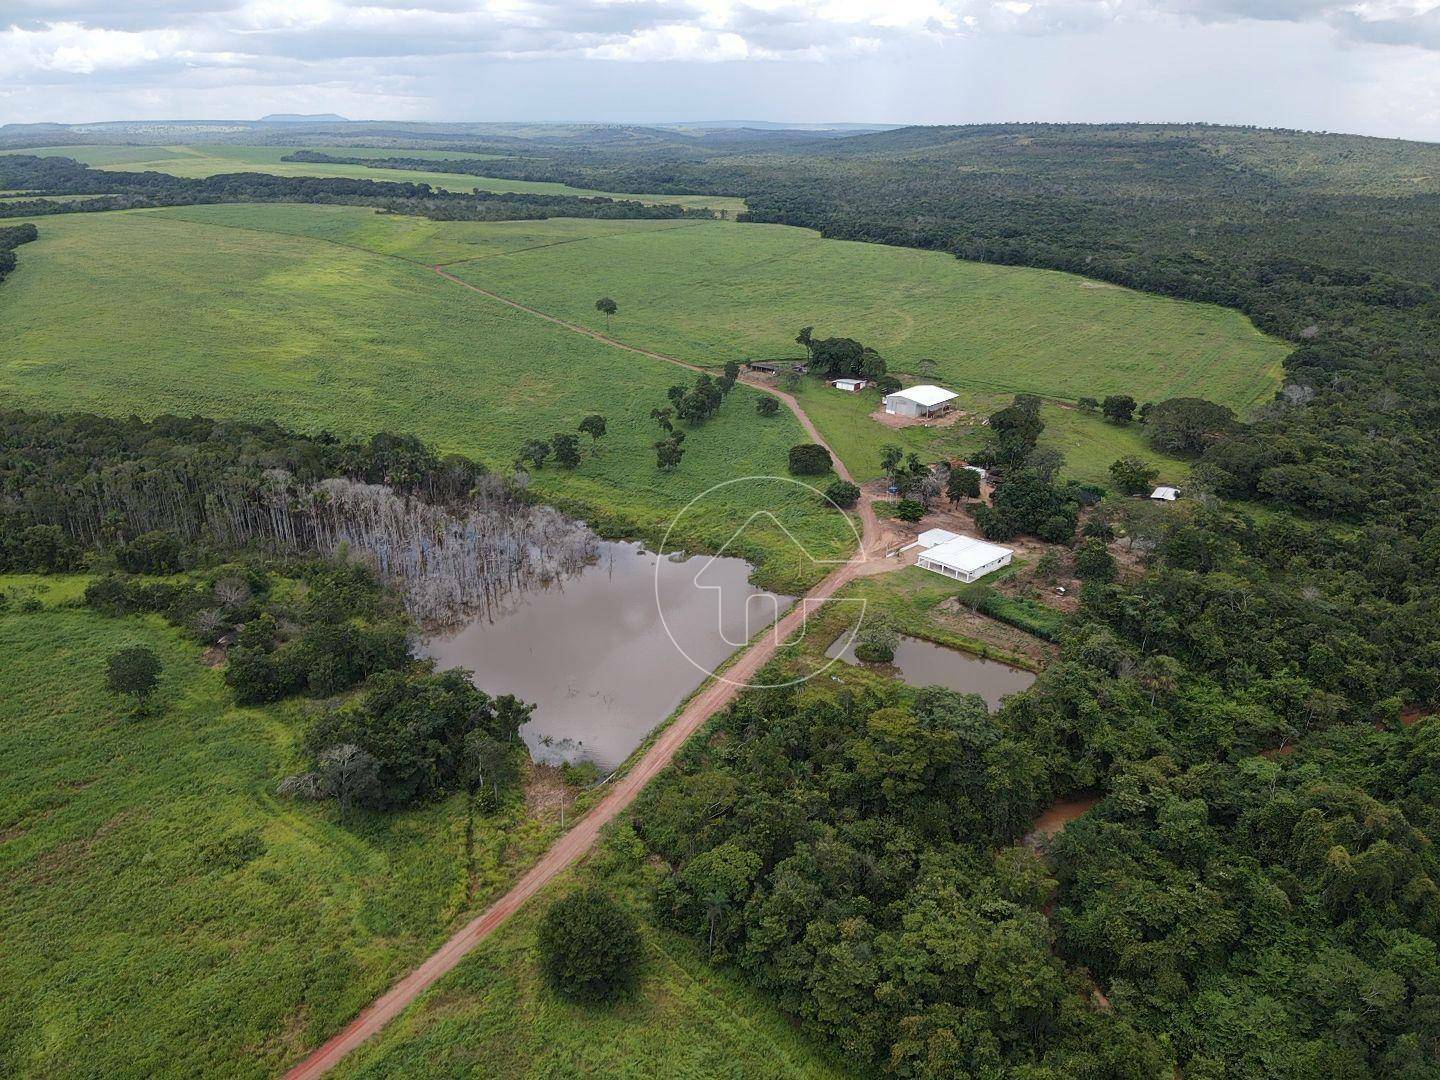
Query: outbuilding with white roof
[[1165, 494], [923, 400], [966, 558]]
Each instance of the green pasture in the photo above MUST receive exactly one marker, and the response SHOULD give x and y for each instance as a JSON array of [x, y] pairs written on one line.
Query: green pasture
[[494, 1016], [201, 160], [1175, 339], [163, 912], [148, 313], [724, 291]]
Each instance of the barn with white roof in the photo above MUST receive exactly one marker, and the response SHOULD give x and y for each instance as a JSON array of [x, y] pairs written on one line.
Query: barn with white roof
[[916, 401], [965, 558]]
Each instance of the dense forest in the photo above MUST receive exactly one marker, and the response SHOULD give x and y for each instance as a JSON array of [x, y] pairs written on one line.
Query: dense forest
[[42, 176]]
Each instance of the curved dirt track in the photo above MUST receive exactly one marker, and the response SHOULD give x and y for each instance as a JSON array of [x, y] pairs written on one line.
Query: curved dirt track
[[570, 847]]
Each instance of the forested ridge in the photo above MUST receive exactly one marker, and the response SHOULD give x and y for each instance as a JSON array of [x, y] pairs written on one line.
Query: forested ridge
[[42, 176]]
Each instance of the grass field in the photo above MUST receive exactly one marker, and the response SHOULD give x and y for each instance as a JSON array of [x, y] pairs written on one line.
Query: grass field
[[722, 291], [203, 160], [1168, 347], [233, 322], [162, 912], [494, 1017]]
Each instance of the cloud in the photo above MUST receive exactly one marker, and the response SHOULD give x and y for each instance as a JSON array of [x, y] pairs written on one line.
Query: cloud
[[420, 57]]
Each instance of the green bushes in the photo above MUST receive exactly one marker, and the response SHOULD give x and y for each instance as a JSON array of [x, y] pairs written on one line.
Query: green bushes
[[809, 459], [589, 947], [1027, 615], [426, 733], [909, 510], [843, 494]]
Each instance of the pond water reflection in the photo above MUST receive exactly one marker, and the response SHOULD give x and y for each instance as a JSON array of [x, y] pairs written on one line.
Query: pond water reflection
[[593, 655], [923, 663]]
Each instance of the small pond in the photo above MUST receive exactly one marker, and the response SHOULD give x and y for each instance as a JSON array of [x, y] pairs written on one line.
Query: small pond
[[594, 656], [922, 663]]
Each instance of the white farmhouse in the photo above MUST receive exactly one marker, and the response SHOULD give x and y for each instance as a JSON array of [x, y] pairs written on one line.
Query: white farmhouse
[[965, 558], [924, 400]]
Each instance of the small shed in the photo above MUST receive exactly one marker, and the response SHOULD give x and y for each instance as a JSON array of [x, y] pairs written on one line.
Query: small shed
[[850, 386], [916, 401], [1165, 494], [966, 558]]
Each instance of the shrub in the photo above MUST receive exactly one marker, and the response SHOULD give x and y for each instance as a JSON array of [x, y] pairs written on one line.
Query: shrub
[[876, 642], [767, 405], [887, 384], [809, 459], [133, 672], [1093, 562], [589, 947], [1133, 476], [150, 553], [909, 510], [843, 494]]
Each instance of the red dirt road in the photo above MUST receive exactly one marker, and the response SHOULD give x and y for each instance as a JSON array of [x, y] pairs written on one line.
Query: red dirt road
[[567, 850]]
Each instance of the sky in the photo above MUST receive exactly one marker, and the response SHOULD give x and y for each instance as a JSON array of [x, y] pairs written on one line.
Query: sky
[[1370, 67]]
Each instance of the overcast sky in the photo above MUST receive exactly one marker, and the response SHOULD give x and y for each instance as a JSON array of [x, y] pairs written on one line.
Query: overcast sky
[[1370, 66]]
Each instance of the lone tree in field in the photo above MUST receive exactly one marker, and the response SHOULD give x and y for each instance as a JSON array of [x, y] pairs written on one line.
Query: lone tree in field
[[809, 459], [594, 426], [668, 452], [534, 451], [606, 307], [962, 483], [589, 947], [843, 494], [567, 449], [767, 406], [134, 672]]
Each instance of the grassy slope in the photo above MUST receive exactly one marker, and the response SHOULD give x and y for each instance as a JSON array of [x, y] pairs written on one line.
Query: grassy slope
[[493, 1017], [130, 949], [1173, 337], [203, 160], [722, 291], [148, 313]]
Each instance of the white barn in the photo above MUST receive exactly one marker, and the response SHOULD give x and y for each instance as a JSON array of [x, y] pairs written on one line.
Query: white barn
[[965, 558], [850, 386], [924, 400]]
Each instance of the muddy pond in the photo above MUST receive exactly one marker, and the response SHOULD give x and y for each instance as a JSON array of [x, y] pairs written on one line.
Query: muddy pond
[[922, 663], [596, 657]]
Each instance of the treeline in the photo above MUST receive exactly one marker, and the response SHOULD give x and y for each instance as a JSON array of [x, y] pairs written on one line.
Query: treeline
[[130, 190], [11, 237], [454, 538]]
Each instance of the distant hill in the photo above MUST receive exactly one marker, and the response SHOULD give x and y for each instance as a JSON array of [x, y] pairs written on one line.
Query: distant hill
[[303, 118]]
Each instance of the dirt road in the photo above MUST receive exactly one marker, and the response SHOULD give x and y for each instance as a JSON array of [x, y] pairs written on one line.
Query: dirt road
[[716, 695]]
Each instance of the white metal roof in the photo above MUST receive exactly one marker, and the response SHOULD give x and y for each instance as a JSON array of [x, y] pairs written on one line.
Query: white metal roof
[[849, 382], [1169, 494], [966, 554], [925, 395], [935, 537]]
